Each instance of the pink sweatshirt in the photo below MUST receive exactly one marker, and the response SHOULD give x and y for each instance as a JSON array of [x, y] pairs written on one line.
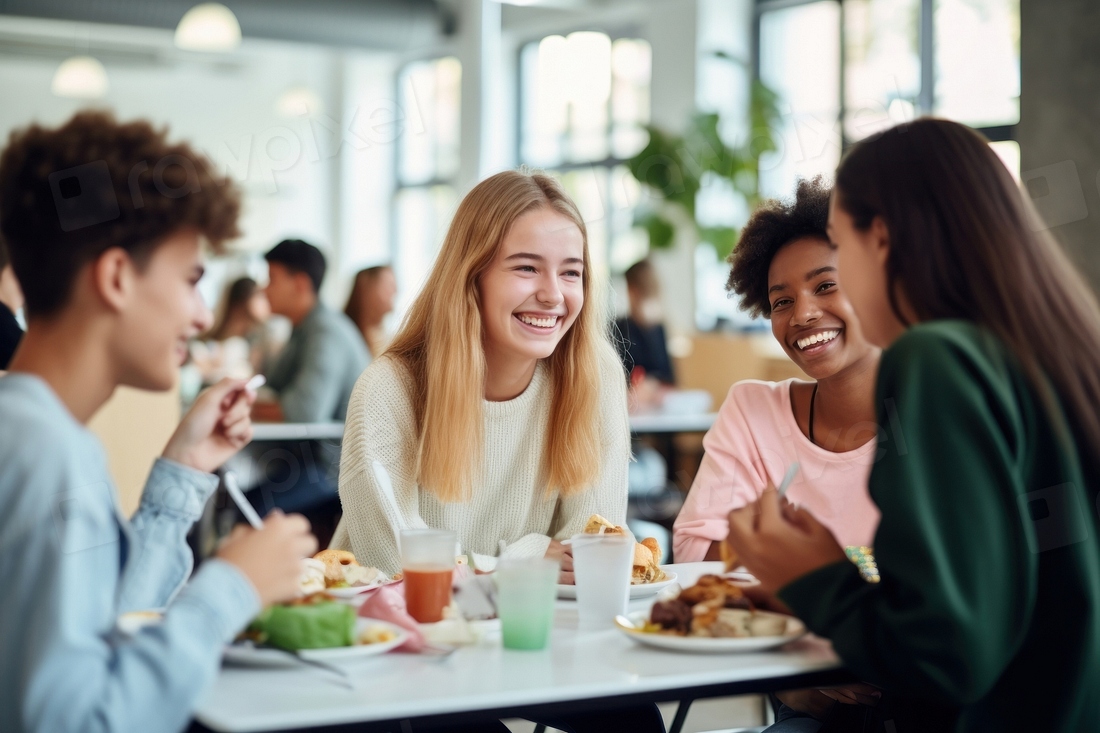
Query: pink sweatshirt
[[755, 439]]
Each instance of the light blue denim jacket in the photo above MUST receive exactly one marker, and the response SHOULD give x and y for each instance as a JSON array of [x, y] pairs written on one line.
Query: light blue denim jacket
[[70, 564]]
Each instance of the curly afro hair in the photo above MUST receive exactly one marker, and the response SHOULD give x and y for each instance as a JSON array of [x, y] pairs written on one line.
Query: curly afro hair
[[772, 226], [69, 193]]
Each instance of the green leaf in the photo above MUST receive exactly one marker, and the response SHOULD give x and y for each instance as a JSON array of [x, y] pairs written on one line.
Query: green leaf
[[660, 230], [659, 165], [673, 167], [724, 239]]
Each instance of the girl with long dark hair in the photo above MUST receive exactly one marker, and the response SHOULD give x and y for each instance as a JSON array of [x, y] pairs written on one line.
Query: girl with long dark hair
[[988, 548]]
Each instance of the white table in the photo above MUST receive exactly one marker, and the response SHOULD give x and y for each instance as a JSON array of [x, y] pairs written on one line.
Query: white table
[[651, 422], [277, 431], [581, 670], [670, 422]]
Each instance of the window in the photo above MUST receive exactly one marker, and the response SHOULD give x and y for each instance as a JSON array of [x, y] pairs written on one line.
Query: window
[[584, 102], [846, 69], [800, 60], [882, 71], [977, 64], [427, 164]]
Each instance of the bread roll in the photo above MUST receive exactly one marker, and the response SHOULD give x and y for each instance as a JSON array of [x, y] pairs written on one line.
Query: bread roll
[[596, 523], [334, 561]]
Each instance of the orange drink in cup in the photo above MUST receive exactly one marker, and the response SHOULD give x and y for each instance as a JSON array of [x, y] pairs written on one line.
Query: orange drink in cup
[[427, 562]]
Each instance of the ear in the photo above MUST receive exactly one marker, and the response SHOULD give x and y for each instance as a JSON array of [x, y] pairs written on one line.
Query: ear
[[113, 276], [880, 240], [303, 284]]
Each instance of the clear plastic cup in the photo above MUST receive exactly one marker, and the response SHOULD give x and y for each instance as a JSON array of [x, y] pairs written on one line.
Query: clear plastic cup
[[526, 590], [602, 564], [427, 562]]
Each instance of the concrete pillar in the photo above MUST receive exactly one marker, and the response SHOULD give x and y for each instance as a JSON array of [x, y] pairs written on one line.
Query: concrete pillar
[[1059, 132], [479, 50], [671, 29]]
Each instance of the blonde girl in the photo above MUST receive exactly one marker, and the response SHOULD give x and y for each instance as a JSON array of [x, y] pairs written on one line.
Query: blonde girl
[[499, 410]]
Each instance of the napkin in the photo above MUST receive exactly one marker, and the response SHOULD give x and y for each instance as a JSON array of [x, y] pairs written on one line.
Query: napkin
[[388, 604]]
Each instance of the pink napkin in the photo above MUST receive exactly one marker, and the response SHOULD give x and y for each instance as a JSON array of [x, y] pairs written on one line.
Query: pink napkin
[[388, 604]]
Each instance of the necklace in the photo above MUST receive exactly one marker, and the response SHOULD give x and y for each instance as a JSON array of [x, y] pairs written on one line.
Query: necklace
[[813, 399]]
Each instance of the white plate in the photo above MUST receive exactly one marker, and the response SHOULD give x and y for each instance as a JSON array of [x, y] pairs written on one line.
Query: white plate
[[708, 645], [247, 655], [354, 590], [645, 590]]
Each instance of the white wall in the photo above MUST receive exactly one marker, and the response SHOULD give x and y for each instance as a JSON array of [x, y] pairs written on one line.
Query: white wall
[[319, 176]]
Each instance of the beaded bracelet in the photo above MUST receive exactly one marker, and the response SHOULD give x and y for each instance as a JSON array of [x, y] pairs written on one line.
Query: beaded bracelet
[[864, 559]]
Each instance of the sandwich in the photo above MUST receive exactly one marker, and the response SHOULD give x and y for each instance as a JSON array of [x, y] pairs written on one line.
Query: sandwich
[[598, 525], [647, 563], [647, 553], [342, 571]]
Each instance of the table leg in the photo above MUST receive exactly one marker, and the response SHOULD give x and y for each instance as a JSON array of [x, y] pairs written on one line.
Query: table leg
[[681, 715]]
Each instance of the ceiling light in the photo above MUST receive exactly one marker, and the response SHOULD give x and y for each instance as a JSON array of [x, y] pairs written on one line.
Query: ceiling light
[[80, 77], [208, 27], [297, 101]]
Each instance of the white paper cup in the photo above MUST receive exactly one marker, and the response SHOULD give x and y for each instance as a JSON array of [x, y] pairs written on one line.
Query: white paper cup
[[602, 564]]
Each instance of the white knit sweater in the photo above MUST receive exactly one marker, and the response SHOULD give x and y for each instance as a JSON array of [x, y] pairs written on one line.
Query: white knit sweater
[[510, 514]]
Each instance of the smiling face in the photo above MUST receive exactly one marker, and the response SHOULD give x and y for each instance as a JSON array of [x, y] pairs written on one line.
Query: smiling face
[[861, 258], [533, 289], [810, 317], [161, 314]]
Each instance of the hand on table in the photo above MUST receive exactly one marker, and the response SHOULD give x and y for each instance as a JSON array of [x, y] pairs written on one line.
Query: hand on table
[[217, 426], [778, 542], [646, 393], [857, 693], [271, 557], [809, 702], [818, 702], [564, 553]]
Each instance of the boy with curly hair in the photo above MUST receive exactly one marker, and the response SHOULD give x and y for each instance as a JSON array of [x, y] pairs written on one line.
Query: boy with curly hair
[[104, 222]]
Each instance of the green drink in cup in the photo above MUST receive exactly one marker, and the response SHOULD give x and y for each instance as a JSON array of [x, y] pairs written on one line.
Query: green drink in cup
[[526, 590]]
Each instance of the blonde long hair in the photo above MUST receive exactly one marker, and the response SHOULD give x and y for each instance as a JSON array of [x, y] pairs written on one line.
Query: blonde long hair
[[440, 343]]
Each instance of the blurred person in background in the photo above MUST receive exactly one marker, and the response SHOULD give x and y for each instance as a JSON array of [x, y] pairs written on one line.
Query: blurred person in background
[[11, 300], [314, 374], [371, 300], [643, 345], [235, 346], [312, 379]]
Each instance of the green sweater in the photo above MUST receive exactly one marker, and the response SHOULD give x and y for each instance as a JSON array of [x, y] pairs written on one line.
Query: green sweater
[[988, 547]]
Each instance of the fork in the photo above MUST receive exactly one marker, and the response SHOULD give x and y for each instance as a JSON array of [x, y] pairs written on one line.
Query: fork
[[331, 668]]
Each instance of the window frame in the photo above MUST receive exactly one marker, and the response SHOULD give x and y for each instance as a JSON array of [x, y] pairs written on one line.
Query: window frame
[[926, 49], [399, 186], [609, 163]]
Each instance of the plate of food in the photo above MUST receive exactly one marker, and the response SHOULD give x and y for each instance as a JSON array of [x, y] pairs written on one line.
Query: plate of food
[[637, 590], [315, 628], [337, 573], [712, 616], [647, 576]]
